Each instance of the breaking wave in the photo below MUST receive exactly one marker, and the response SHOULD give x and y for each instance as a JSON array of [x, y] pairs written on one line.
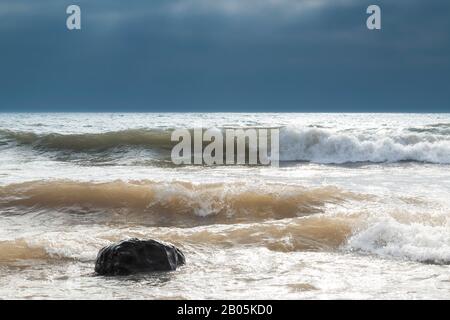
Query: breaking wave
[[172, 201], [288, 220], [410, 241], [317, 145], [154, 138], [386, 239], [323, 146], [313, 233]]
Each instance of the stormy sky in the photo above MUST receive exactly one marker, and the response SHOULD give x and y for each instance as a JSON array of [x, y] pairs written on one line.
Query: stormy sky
[[225, 55]]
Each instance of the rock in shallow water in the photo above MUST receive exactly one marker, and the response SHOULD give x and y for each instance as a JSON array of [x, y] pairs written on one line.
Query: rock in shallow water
[[135, 256]]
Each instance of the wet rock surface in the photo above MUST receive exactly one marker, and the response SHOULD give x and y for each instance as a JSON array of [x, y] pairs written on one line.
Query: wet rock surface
[[137, 256]]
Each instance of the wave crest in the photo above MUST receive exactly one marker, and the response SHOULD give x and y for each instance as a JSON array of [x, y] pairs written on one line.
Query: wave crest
[[409, 241], [220, 202], [92, 141], [316, 145], [323, 146]]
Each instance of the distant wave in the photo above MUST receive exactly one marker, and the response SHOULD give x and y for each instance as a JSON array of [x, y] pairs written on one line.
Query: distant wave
[[154, 138], [317, 145], [323, 146]]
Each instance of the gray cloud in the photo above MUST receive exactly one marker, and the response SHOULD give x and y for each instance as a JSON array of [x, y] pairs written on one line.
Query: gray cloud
[[224, 55], [251, 7]]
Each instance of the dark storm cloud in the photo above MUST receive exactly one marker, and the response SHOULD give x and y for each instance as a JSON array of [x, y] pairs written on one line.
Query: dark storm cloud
[[225, 55]]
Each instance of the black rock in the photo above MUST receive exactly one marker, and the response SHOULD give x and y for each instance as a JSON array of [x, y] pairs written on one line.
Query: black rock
[[135, 256]]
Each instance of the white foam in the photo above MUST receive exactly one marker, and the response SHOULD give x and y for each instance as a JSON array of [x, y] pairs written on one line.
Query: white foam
[[415, 241], [325, 146], [68, 245]]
